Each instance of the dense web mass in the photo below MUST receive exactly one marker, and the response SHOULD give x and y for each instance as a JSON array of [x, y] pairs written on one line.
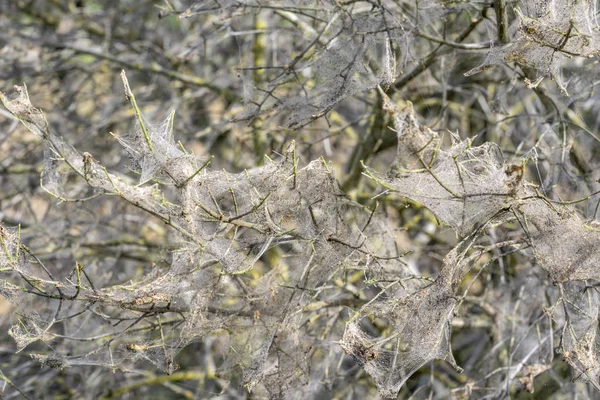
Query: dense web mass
[[349, 54], [565, 246], [419, 323], [546, 39], [290, 284], [580, 332], [463, 185], [227, 222]]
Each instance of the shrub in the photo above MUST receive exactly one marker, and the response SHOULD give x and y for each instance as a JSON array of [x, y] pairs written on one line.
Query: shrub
[[426, 212]]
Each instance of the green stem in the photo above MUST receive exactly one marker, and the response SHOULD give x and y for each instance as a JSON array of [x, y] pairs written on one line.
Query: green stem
[[129, 95]]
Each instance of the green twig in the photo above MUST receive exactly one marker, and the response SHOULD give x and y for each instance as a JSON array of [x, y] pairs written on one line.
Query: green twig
[[130, 96], [198, 171]]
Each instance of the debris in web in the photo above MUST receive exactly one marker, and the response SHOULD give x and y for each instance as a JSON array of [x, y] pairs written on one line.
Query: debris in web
[[563, 244], [464, 186], [223, 224], [417, 327], [545, 38], [33, 118], [580, 341], [259, 257], [525, 324], [29, 330], [10, 253]]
